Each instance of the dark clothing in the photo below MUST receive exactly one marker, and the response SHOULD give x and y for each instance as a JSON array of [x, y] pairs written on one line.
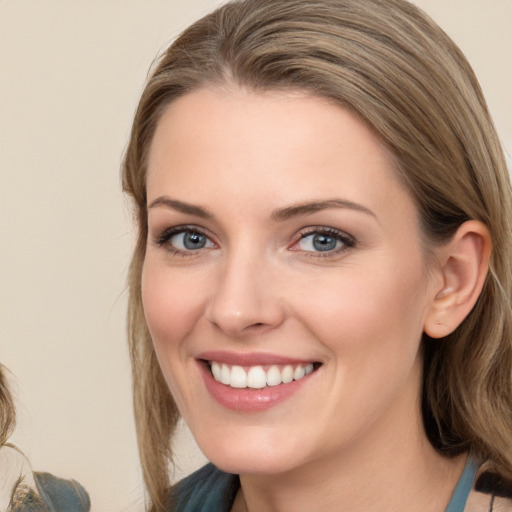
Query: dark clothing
[[211, 490], [22, 490]]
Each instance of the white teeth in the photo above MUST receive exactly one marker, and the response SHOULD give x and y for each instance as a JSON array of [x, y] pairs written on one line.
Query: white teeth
[[273, 376], [299, 373], [287, 374], [256, 377], [238, 377], [217, 372], [225, 375]]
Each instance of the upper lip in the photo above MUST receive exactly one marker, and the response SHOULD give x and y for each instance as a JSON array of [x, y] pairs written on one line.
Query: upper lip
[[250, 359]]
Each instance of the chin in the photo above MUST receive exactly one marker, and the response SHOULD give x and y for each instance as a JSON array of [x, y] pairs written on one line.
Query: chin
[[247, 464], [251, 454]]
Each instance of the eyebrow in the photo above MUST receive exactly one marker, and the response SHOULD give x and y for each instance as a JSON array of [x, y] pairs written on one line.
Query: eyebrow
[[316, 206], [182, 207], [279, 215]]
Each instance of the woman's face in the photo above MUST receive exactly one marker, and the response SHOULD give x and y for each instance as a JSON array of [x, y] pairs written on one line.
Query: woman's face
[[281, 245]]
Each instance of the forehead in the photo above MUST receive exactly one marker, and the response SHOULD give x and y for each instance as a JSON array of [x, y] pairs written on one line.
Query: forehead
[[279, 146]]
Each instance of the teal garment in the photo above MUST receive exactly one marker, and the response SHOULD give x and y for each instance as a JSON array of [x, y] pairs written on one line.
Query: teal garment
[[207, 490], [24, 490], [211, 490], [463, 488], [62, 495], [51, 494]]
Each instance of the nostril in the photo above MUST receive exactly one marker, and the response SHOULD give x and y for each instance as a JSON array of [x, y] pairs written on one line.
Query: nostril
[[257, 326]]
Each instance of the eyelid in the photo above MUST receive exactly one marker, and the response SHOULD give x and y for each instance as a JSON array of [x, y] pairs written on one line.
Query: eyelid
[[164, 236], [348, 240]]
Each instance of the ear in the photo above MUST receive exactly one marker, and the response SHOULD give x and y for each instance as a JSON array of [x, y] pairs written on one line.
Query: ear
[[464, 262]]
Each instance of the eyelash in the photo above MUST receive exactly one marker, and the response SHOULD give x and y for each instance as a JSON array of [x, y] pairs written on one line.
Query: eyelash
[[348, 241], [164, 238]]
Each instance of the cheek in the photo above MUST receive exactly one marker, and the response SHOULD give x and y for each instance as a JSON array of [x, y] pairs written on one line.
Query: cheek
[[371, 323], [358, 309], [172, 303]]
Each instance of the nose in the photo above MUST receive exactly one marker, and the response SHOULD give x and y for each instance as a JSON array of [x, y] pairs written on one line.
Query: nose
[[245, 300]]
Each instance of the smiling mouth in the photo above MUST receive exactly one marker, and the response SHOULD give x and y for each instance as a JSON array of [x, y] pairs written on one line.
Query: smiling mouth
[[259, 377]]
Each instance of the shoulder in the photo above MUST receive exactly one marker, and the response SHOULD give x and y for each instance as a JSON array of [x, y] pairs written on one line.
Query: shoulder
[[207, 490], [490, 492]]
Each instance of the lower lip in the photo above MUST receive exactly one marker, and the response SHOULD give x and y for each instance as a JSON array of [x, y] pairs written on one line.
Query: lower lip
[[247, 399]]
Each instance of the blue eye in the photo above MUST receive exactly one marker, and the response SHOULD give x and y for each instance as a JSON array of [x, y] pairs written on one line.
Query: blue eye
[[189, 240], [323, 241], [183, 240]]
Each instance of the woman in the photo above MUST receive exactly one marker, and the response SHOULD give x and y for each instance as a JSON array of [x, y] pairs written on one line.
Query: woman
[[22, 490], [321, 283]]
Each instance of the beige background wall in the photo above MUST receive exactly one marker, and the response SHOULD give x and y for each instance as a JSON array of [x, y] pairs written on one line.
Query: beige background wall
[[70, 76]]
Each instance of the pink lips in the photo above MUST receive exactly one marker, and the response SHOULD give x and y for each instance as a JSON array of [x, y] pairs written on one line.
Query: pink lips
[[249, 400]]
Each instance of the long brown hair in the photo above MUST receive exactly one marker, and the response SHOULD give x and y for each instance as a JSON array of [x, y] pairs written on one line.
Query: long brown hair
[[397, 70]]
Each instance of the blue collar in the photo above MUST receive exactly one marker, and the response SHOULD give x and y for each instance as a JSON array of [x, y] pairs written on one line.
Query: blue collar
[[464, 486]]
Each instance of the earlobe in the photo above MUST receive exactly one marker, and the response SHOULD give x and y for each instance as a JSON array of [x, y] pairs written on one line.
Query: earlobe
[[464, 263]]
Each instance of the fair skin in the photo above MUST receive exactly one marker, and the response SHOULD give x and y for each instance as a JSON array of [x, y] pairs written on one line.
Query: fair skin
[[279, 232]]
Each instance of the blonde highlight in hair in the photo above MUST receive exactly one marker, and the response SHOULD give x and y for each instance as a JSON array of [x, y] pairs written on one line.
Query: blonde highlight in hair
[[389, 63]]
